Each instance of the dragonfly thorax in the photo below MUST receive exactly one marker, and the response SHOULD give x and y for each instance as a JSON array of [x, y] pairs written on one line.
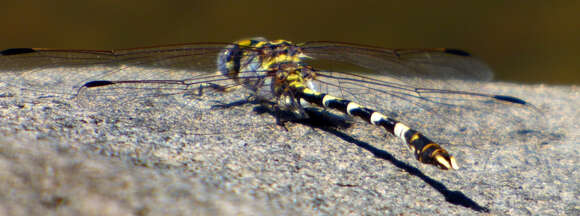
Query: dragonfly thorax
[[255, 63]]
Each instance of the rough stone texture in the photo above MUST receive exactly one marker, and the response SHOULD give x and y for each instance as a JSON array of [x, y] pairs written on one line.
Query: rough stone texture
[[185, 156]]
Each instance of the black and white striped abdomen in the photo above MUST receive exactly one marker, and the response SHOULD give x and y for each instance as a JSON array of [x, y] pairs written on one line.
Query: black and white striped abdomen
[[424, 149]]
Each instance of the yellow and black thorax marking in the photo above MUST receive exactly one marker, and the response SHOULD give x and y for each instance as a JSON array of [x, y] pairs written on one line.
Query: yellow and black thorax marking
[[257, 62]]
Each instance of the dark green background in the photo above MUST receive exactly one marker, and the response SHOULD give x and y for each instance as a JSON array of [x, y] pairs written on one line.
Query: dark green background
[[523, 41]]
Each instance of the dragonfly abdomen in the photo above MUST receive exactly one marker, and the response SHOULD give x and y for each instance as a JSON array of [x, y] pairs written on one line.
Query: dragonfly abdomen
[[425, 150]]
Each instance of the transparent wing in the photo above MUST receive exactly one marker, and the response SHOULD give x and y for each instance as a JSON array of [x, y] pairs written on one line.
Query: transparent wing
[[153, 70], [427, 88], [431, 110], [408, 66]]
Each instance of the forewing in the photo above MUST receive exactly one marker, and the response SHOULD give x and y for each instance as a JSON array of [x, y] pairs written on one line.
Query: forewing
[[64, 72], [407, 66]]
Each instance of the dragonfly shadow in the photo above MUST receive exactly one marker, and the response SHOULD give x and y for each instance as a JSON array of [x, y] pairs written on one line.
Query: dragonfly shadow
[[332, 123], [453, 197], [314, 117]]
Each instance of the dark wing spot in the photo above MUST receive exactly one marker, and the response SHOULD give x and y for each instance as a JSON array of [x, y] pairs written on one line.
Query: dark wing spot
[[457, 52], [16, 51], [97, 83], [510, 99]]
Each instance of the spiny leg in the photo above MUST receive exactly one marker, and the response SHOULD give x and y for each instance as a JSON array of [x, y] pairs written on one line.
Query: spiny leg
[[425, 150]]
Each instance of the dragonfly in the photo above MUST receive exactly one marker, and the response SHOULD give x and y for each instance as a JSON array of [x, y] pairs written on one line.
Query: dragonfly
[[292, 76]]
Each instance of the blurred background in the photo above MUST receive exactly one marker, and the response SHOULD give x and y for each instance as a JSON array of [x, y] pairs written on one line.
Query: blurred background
[[523, 41]]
